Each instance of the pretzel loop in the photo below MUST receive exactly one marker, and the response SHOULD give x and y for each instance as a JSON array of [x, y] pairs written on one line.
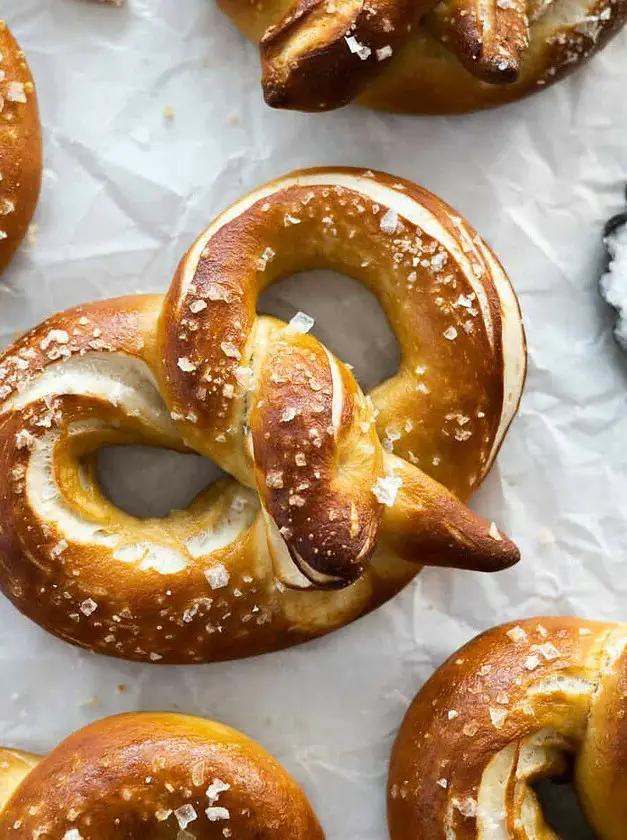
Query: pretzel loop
[[516, 705], [336, 499]]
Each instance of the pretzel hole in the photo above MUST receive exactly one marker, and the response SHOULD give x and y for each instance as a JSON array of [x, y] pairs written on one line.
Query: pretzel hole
[[349, 320], [562, 810], [145, 481]]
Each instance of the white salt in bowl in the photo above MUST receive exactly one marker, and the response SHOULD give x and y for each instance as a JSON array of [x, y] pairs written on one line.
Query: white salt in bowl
[[614, 281]]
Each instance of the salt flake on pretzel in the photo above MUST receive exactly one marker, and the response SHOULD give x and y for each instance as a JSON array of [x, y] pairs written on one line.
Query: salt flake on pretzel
[[503, 712], [337, 498]]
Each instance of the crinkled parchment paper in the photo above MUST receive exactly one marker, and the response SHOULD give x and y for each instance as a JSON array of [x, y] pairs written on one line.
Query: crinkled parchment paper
[[126, 189]]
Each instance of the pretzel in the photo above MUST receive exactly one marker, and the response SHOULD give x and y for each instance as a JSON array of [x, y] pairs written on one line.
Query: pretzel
[[338, 498], [428, 57], [20, 146], [504, 712], [152, 775]]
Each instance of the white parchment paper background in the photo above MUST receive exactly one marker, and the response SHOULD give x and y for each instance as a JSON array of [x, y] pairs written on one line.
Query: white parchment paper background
[[125, 191]]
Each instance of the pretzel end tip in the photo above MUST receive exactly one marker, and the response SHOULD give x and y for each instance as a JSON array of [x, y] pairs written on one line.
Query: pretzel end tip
[[498, 69]]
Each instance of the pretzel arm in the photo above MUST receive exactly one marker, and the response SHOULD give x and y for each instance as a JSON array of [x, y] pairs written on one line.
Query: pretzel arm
[[489, 37], [321, 55], [428, 525]]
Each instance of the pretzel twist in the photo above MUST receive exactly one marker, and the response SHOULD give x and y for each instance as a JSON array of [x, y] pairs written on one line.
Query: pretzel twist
[[338, 498], [504, 712], [426, 57], [20, 146], [152, 775]]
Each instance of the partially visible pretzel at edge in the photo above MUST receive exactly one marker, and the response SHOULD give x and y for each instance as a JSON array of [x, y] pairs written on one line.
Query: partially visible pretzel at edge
[[506, 710], [427, 57], [20, 146], [152, 775], [338, 498]]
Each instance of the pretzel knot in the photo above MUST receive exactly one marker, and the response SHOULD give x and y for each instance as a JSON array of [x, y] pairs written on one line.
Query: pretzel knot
[[335, 503], [504, 712], [424, 57], [152, 775]]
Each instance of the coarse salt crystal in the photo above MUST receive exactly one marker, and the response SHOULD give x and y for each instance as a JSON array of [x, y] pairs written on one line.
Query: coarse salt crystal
[[24, 439], [549, 651], [386, 489], [230, 350], [185, 365], [214, 790], [438, 260], [215, 813], [494, 532], [217, 576], [185, 815], [389, 221], [384, 52], [59, 548], [274, 479], [443, 783], [532, 662], [452, 714], [267, 256], [301, 322], [356, 48], [288, 415], [197, 306], [497, 716], [16, 92], [88, 607], [450, 333], [517, 634], [243, 374], [55, 336]]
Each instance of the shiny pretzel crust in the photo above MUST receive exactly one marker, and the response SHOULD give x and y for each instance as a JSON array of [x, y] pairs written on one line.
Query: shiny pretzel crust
[[149, 774], [504, 712], [300, 543], [450, 57], [20, 146]]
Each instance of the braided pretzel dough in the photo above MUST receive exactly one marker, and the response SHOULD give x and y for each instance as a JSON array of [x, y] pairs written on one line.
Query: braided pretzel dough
[[429, 57], [152, 775], [20, 146], [300, 543], [501, 714]]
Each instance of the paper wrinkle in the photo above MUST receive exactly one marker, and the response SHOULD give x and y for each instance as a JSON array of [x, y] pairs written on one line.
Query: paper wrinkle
[[127, 190]]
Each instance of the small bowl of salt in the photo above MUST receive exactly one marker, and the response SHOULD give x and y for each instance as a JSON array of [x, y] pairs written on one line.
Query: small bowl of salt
[[614, 280]]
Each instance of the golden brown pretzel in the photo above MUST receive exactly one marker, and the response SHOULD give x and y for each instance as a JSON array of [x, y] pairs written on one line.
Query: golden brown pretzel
[[427, 57], [504, 712], [152, 775], [338, 498], [20, 146]]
